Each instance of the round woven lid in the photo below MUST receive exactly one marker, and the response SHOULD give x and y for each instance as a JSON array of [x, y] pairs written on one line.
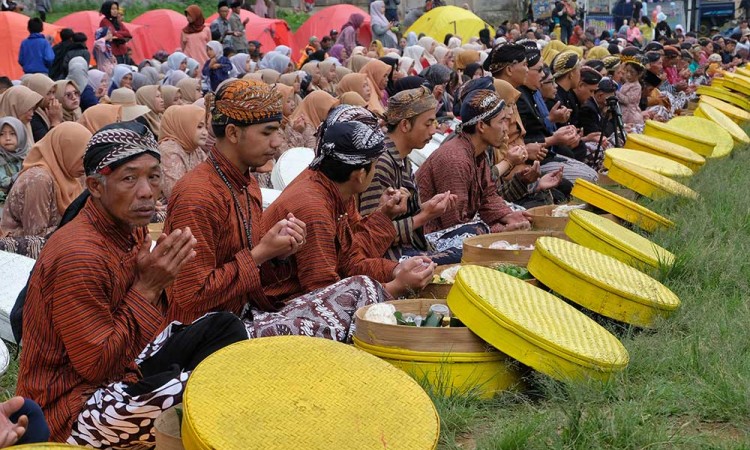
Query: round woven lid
[[608, 273], [658, 164], [704, 127], [673, 150], [614, 198], [542, 319], [628, 241], [299, 392], [686, 133], [714, 115], [727, 108], [664, 183]]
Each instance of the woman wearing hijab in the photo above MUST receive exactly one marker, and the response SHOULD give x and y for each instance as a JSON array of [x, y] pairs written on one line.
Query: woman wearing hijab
[[357, 62], [328, 73], [78, 73], [171, 96], [120, 34], [195, 35], [122, 77], [313, 70], [288, 105], [21, 102], [429, 45], [341, 72], [473, 71], [348, 35], [306, 118], [276, 61], [69, 96], [377, 75], [269, 76], [49, 112], [353, 99], [376, 49], [415, 52], [183, 132], [176, 63], [354, 82], [381, 26], [99, 81], [151, 96], [216, 69], [240, 65], [292, 80], [339, 52], [13, 150], [99, 116], [406, 66], [444, 56], [190, 90], [439, 76], [48, 182], [465, 58]]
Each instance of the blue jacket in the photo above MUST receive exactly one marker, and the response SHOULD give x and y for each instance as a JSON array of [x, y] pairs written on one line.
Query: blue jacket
[[216, 76], [36, 55], [88, 98]]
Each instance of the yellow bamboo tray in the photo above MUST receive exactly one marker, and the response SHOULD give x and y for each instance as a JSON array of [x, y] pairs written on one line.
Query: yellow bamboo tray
[[724, 141], [738, 115], [707, 111], [738, 100], [621, 207], [299, 392], [658, 164], [453, 360], [614, 240], [441, 290], [601, 283], [534, 326], [666, 149], [646, 182], [695, 141], [736, 83], [742, 71], [476, 249]]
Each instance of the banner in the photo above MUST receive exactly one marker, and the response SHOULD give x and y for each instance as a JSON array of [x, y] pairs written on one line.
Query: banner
[[600, 23]]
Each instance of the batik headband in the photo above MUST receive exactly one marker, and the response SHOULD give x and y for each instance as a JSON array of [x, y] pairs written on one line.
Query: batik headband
[[244, 102], [350, 143], [116, 144], [408, 104]]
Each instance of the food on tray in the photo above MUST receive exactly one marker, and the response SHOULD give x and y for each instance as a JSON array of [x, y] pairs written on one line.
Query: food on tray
[[564, 210], [381, 313]]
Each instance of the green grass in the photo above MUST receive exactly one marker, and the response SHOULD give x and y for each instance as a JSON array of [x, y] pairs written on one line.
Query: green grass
[[294, 19]]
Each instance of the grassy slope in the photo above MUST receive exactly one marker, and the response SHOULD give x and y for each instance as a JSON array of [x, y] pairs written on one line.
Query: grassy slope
[[688, 382]]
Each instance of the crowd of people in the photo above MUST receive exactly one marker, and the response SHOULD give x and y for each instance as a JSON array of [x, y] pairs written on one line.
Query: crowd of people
[[93, 148]]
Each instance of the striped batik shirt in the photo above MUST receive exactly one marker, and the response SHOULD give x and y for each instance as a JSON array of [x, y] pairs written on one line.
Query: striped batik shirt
[[83, 323], [393, 171]]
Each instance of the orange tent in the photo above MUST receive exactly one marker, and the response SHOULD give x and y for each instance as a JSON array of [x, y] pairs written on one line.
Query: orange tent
[[163, 27], [269, 32], [87, 22], [12, 32], [322, 22]]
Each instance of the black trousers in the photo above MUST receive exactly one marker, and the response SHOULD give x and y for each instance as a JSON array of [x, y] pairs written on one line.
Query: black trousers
[[187, 347]]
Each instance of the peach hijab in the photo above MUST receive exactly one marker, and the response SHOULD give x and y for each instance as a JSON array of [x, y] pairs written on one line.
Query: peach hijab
[[179, 123]]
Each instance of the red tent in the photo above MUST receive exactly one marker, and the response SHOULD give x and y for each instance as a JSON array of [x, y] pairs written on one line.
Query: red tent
[[322, 22], [87, 22], [163, 27], [269, 32], [12, 32]]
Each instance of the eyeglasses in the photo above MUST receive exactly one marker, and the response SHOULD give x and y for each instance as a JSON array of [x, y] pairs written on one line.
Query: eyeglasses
[[72, 95]]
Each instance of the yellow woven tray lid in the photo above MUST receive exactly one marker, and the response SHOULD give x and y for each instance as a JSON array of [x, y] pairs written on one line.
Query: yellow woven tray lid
[[540, 318], [656, 179], [608, 273], [658, 164], [724, 141], [690, 134], [614, 198], [711, 113], [299, 392], [668, 149], [626, 240], [727, 108], [724, 94]]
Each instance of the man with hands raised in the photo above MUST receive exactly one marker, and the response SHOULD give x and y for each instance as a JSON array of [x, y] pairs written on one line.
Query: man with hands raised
[[411, 122], [94, 358]]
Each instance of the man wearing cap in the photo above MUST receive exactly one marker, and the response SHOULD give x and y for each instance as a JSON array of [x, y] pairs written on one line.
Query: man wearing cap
[[595, 108], [95, 305], [322, 197], [460, 166], [411, 122]]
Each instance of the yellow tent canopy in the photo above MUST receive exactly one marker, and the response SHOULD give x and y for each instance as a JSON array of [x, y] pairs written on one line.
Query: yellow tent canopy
[[443, 20]]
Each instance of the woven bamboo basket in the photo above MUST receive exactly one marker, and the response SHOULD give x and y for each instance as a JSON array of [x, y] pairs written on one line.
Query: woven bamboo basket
[[542, 219], [167, 427], [476, 249], [453, 360]]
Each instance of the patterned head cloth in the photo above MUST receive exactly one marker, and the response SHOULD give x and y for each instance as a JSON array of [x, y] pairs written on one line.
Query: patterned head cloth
[[611, 62], [590, 76], [564, 63], [533, 54], [116, 144], [504, 55], [469, 87], [635, 61], [344, 113], [244, 102], [408, 104], [350, 143], [671, 51], [480, 106]]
